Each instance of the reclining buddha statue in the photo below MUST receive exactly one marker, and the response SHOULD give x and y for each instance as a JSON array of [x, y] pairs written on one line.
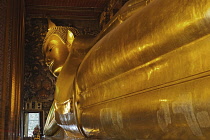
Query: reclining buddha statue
[[144, 76]]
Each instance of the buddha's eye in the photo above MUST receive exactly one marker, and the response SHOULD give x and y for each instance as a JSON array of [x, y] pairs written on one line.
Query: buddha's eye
[[50, 47]]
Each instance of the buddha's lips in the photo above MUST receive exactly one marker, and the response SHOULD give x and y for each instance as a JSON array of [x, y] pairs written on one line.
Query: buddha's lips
[[51, 65]]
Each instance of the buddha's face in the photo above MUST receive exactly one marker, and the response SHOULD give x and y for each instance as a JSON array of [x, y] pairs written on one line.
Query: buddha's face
[[56, 52]]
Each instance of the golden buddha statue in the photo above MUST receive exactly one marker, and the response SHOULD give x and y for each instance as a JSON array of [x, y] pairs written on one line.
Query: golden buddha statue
[[143, 77], [60, 45]]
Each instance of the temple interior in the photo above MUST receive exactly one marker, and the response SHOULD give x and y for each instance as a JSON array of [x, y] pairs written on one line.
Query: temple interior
[[136, 69], [27, 86]]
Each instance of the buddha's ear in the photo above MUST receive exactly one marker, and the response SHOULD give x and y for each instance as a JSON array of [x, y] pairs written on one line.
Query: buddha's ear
[[70, 37], [50, 24]]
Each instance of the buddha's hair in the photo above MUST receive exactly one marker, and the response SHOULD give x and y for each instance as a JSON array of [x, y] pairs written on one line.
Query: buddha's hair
[[61, 31]]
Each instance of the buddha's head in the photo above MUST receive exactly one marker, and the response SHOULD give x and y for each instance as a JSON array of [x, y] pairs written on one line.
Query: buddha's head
[[56, 46]]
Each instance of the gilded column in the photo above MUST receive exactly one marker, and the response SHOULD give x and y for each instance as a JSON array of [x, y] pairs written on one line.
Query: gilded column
[[11, 67]]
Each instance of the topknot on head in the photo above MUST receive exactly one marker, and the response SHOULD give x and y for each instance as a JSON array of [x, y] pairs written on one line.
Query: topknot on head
[[50, 24], [61, 31]]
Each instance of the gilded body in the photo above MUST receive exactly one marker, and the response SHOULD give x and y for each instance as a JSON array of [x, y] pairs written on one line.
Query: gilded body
[[147, 77]]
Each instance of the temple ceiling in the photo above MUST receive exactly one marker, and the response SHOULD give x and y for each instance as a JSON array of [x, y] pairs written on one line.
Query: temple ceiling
[[66, 9]]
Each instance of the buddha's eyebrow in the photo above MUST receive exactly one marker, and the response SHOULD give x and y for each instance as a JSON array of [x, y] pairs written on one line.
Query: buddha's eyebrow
[[46, 48]]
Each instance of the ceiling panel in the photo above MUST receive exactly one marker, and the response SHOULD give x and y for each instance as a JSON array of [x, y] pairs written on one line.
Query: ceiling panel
[[66, 9], [70, 3]]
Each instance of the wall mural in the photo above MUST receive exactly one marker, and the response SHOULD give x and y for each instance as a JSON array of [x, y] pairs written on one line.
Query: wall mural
[[38, 81]]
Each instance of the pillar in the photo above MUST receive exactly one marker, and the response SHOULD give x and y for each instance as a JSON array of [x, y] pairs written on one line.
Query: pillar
[[11, 67]]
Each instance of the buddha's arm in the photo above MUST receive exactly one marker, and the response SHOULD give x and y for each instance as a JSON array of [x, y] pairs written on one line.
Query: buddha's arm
[[80, 48], [51, 126]]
